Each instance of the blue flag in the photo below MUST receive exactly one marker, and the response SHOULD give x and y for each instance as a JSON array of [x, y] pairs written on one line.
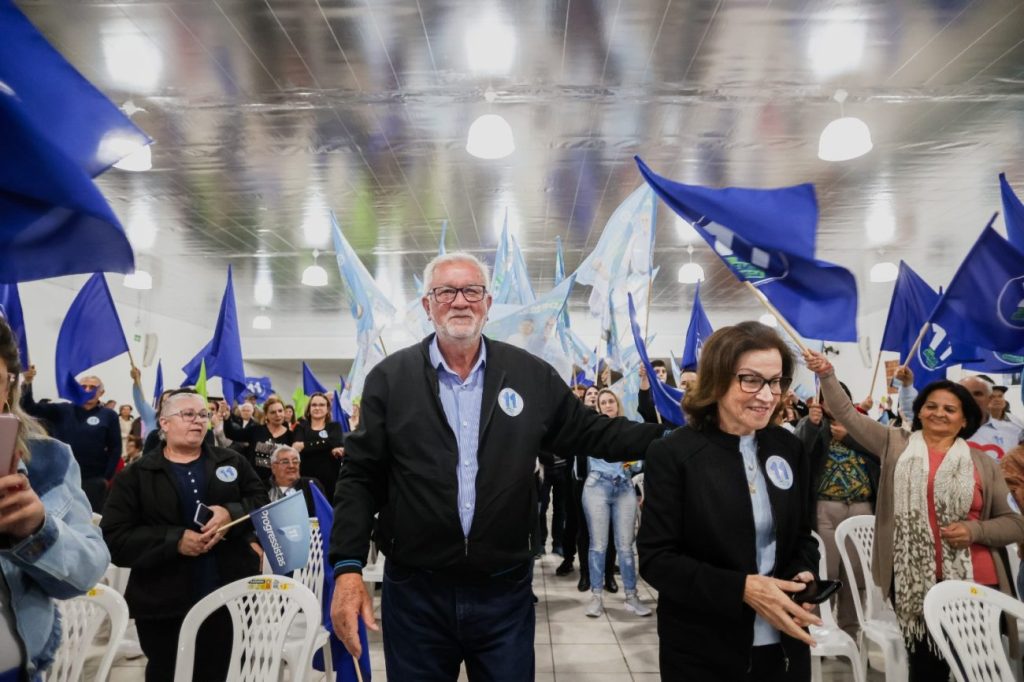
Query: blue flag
[[666, 398], [767, 238], [696, 333], [259, 387], [158, 385], [344, 665], [370, 308], [59, 133], [91, 333], [984, 303], [10, 310], [510, 281], [1013, 214], [998, 363], [282, 527], [912, 302], [223, 354], [339, 414], [310, 384]]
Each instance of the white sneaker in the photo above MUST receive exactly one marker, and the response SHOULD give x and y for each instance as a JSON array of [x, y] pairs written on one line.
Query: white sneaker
[[595, 609], [634, 605]]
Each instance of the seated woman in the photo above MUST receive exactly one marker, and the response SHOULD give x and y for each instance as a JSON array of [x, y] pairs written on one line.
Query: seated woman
[[942, 510], [726, 532], [49, 548]]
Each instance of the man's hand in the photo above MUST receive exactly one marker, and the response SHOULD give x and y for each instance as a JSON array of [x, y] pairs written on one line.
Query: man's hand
[[338, 453], [136, 375], [769, 597], [29, 374], [814, 411], [645, 383], [350, 602]]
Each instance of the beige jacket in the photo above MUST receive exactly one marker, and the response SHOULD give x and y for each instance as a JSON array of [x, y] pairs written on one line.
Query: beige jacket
[[999, 525]]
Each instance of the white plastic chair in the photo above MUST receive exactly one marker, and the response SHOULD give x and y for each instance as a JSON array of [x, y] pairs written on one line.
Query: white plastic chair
[[312, 576], [262, 609], [81, 618], [963, 619], [832, 641], [876, 618]]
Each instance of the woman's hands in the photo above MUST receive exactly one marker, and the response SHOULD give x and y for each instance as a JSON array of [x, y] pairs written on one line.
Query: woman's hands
[[958, 535], [770, 598], [21, 511], [817, 363]]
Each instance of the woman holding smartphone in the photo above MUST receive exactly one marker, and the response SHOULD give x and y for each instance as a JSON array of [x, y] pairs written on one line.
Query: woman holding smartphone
[[49, 548], [726, 532]]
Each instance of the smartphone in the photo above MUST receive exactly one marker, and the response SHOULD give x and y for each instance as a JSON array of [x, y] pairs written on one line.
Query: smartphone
[[203, 514], [8, 440], [817, 592]]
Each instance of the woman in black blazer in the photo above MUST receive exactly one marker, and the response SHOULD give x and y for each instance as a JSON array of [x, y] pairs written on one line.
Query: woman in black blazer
[[726, 531]]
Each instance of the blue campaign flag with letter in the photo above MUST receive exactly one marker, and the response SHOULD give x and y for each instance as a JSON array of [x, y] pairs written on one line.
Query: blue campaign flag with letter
[[282, 527], [10, 310], [696, 333], [1013, 213], [59, 133], [91, 333], [767, 237], [259, 387], [310, 384], [223, 354], [158, 385], [984, 303], [912, 302], [666, 398], [344, 665]]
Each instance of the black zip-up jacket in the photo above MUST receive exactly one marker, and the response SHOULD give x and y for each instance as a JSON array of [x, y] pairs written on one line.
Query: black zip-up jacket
[[403, 459], [697, 541], [142, 523]]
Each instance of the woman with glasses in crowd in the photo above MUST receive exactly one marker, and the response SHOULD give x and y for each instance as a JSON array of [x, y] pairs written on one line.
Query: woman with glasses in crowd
[[726, 533], [162, 520], [321, 442], [49, 548]]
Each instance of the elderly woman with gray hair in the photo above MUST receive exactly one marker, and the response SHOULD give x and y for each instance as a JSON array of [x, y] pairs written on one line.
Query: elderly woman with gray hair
[[161, 520]]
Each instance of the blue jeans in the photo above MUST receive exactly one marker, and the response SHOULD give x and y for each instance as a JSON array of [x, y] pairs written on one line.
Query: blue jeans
[[432, 623], [610, 500]]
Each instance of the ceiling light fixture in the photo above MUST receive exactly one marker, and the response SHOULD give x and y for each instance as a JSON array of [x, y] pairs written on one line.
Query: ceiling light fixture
[[885, 271], [314, 275], [490, 46], [881, 223], [140, 279], [837, 43], [263, 288], [490, 137], [261, 322], [690, 273], [845, 138]]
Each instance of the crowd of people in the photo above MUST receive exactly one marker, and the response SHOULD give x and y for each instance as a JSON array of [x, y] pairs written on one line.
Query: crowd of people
[[461, 445]]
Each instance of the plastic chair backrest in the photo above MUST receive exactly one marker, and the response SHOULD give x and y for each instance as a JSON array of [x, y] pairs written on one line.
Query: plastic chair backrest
[[963, 619], [860, 531], [1014, 557], [312, 574], [262, 610], [825, 608], [81, 618]]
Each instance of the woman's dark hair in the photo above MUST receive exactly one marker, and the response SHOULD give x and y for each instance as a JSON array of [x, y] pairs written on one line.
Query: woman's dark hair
[[309, 403], [972, 413], [717, 368]]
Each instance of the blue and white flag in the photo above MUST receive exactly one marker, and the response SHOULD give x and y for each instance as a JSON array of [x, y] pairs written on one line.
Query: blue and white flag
[[258, 387], [90, 334], [510, 281], [282, 527], [370, 308], [677, 372], [441, 248], [996, 363], [767, 238], [310, 384], [666, 398], [10, 310], [698, 331], [532, 327], [1013, 214], [984, 303]]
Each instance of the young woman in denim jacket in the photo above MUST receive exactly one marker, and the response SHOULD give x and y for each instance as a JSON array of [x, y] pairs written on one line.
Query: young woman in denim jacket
[[49, 548]]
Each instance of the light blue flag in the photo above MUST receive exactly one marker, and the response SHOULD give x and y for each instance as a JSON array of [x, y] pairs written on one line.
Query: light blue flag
[[1013, 214], [532, 327], [510, 281], [223, 354], [282, 527], [983, 305], [441, 248], [666, 398], [310, 384], [677, 373], [90, 334], [10, 310], [767, 238], [368, 353], [370, 308], [696, 333], [563, 319]]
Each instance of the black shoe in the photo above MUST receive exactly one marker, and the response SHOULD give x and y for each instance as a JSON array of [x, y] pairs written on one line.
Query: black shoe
[[584, 584], [564, 568], [610, 584]]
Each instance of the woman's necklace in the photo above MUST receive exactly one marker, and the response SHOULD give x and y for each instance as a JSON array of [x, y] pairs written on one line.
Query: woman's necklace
[[751, 471]]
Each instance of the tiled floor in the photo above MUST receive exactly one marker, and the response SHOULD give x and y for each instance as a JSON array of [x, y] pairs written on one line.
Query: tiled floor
[[570, 647]]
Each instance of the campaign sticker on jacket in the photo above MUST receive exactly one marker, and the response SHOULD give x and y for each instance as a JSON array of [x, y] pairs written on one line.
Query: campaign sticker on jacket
[[323, 433], [92, 421], [227, 473], [779, 472], [1012, 502], [510, 402]]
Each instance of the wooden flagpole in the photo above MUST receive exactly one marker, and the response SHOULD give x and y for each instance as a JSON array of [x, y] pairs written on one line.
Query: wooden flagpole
[[778, 316]]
